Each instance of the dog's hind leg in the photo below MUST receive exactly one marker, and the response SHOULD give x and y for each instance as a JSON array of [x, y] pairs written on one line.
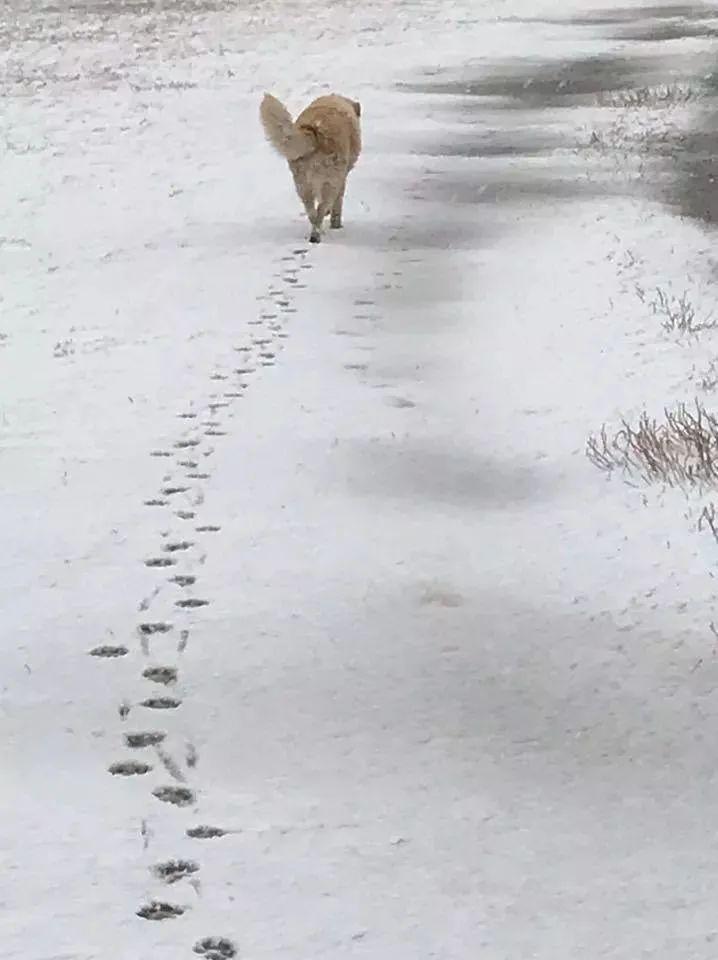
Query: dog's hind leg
[[325, 205], [305, 193], [323, 209], [335, 221], [307, 198]]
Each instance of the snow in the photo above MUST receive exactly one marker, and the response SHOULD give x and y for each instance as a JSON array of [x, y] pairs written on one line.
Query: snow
[[453, 691]]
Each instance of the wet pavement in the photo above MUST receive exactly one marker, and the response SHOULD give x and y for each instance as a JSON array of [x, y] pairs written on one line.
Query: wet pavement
[[661, 101]]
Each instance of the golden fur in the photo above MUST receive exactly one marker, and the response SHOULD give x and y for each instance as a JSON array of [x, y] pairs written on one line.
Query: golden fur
[[321, 146]]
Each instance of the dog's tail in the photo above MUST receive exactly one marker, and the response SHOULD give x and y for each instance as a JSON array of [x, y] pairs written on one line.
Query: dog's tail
[[282, 132]]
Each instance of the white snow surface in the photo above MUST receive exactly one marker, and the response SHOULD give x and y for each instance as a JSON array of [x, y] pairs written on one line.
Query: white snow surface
[[452, 694]]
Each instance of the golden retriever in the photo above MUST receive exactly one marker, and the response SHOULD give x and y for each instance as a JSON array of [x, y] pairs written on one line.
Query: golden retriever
[[321, 146]]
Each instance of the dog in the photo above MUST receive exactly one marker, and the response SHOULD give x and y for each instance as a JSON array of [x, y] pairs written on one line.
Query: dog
[[321, 147]]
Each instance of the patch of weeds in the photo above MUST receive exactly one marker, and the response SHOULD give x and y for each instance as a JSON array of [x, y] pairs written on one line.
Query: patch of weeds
[[677, 314], [652, 97], [707, 378], [680, 451], [63, 348], [633, 139], [708, 520]]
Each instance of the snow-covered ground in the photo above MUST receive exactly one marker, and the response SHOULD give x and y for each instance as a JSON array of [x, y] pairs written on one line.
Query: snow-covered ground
[[312, 602]]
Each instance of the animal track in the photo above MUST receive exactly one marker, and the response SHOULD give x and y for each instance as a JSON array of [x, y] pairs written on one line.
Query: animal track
[[170, 765], [215, 948], [175, 545], [149, 738], [190, 451], [173, 870], [144, 604], [129, 768], [109, 651], [161, 703], [177, 796], [148, 629], [205, 833], [184, 579], [158, 910], [165, 675]]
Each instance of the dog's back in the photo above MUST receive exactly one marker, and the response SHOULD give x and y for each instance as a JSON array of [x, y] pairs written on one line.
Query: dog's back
[[334, 122]]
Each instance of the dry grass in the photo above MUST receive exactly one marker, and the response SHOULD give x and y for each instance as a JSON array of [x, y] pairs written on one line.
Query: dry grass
[[708, 520], [680, 451], [677, 314], [644, 123], [662, 95], [707, 378]]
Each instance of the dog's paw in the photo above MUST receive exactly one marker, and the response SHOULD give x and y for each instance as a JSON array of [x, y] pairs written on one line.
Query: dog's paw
[[336, 224], [314, 238]]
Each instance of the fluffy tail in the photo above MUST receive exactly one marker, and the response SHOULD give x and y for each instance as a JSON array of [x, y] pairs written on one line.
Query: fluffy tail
[[281, 131]]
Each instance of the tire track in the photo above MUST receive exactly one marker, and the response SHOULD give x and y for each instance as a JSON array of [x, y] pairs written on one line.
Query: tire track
[[184, 538]]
